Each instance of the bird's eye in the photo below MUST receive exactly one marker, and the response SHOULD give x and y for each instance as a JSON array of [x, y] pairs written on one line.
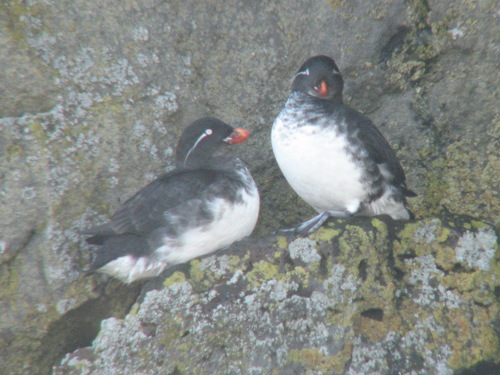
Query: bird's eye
[[209, 132]]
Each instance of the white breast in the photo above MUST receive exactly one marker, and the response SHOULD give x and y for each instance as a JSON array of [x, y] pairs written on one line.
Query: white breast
[[317, 165], [232, 223]]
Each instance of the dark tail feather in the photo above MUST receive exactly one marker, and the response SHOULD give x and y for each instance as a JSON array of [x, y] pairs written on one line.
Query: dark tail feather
[[96, 240], [407, 192], [115, 247]]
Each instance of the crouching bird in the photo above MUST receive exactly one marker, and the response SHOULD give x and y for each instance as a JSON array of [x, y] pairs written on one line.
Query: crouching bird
[[208, 202], [332, 155]]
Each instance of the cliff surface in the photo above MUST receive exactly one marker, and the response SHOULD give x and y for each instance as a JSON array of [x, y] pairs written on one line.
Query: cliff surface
[[93, 99]]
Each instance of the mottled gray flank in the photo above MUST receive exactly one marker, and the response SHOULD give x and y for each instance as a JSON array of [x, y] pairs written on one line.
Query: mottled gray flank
[[93, 96]]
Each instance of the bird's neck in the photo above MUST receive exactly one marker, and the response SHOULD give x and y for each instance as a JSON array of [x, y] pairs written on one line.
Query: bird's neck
[[215, 162]]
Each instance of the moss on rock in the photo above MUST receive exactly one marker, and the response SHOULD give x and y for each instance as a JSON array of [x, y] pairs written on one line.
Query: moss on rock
[[377, 291]]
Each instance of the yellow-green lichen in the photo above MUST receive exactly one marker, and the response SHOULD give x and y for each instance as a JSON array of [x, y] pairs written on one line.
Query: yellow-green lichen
[[279, 253], [9, 283], [436, 186], [176, 278], [445, 257], [282, 242], [37, 130], [459, 325], [263, 271], [380, 226], [355, 238], [134, 309], [479, 224], [207, 272], [195, 273], [15, 11], [172, 331], [301, 274], [325, 234], [314, 361], [14, 150], [443, 234], [335, 4], [373, 329]]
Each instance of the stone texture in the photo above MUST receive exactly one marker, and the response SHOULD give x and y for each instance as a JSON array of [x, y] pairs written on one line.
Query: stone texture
[[92, 100], [363, 297]]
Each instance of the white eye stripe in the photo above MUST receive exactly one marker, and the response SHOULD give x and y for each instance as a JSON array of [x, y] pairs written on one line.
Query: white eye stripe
[[205, 134], [302, 73]]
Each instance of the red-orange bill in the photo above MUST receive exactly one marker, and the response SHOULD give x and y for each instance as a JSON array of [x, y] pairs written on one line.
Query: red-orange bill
[[237, 136]]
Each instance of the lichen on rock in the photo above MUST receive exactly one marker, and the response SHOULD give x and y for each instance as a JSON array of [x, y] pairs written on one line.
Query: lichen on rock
[[349, 315], [93, 99]]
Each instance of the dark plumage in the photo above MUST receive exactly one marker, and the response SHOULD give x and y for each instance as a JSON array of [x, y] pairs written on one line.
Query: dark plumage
[[209, 201], [332, 155]]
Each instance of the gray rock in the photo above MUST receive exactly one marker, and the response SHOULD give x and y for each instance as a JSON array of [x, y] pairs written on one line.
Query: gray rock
[[94, 96], [379, 299]]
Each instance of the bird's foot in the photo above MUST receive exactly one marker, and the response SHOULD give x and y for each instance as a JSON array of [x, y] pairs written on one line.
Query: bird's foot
[[308, 226]]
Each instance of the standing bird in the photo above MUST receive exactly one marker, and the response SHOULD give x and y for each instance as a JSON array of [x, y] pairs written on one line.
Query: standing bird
[[208, 202], [332, 155]]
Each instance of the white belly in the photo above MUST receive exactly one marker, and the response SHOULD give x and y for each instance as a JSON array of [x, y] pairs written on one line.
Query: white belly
[[317, 166], [232, 223]]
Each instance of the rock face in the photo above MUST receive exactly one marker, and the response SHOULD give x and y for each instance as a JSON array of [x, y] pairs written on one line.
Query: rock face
[[93, 97], [355, 298]]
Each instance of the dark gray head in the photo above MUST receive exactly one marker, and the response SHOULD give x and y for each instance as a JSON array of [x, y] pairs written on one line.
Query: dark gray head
[[319, 77], [204, 139]]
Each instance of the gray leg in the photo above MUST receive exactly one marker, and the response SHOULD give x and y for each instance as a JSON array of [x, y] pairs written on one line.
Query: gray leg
[[339, 214], [308, 226], [314, 223]]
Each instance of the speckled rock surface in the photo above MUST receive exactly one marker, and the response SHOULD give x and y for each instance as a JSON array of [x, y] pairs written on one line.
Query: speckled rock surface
[[93, 97], [354, 298]]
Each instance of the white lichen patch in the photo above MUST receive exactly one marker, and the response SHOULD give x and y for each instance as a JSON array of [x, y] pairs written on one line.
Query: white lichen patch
[[426, 277], [166, 102], [305, 250], [427, 230], [3, 246], [176, 298], [116, 334], [477, 249], [219, 265], [457, 33], [341, 287], [140, 34], [278, 290], [237, 276], [373, 357]]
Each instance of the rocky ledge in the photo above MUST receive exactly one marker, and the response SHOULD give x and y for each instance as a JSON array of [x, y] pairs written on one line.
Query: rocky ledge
[[364, 296]]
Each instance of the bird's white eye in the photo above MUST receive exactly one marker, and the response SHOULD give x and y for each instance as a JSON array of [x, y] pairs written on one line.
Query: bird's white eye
[[209, 132]]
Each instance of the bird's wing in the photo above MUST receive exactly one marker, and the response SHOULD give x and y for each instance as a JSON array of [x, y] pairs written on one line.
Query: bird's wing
[[379, 149], [148, 209]]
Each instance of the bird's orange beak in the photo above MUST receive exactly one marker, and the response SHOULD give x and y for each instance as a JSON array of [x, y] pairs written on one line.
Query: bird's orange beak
[[238, 135]]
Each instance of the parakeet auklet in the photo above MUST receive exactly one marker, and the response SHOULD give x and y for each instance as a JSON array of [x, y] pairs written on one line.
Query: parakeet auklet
[[208, 202], [332, 155]]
